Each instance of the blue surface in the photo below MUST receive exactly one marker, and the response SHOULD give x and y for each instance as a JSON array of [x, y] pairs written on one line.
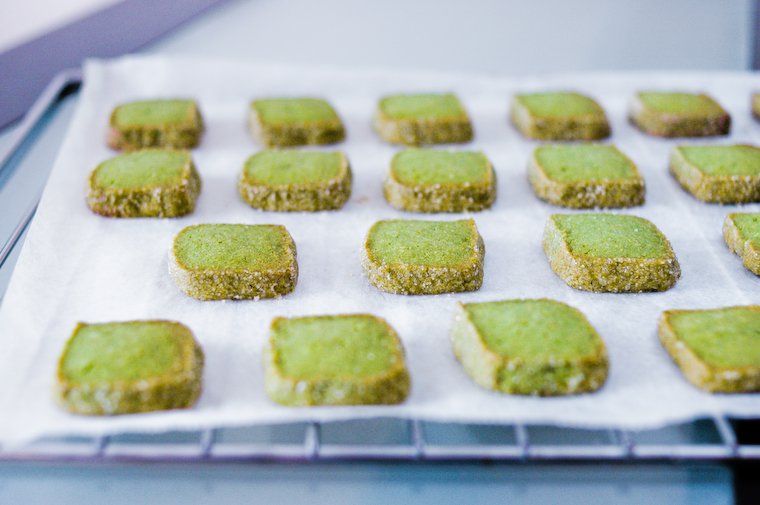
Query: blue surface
[[381, 483]]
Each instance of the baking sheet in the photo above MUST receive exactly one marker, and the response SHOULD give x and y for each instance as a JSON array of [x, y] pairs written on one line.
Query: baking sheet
[[76, 266]]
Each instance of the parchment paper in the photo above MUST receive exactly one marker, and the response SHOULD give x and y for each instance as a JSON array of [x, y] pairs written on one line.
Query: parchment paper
[[76, 266]]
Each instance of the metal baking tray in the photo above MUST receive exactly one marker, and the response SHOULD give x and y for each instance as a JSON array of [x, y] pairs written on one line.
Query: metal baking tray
[[715, 438]]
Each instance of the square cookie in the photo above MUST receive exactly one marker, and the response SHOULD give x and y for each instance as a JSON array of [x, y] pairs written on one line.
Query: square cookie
[[412, 257], [585, 176], [742, 234], [284, 122], [665, 114], [155, 123], [423, 119], [234, 261], [147, 183], [354, 359], [611, 253], [529, 347], [717, 350], [129, 367], [559, 116], [296, 180], [426, 180], [718, 174]]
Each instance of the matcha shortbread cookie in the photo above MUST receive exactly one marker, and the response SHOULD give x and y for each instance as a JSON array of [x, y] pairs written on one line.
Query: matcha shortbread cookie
[[610, 253], [354, 359], [234, 261], [756, 105], [559, 116], [155, 123], [296, 180], [718, 174], [426, 180], [147, 183], [585, 176], [412, 257], [529, 347], [742, 234], [284, 122], [423, 119], [129, 367], [717, 350], [665, 114]]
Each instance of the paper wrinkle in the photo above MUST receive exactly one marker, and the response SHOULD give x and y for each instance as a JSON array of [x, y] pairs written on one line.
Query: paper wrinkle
[[76, 266]]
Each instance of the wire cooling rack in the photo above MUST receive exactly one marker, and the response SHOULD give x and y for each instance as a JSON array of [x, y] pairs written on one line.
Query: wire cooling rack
[[397, 439], [715, 438]]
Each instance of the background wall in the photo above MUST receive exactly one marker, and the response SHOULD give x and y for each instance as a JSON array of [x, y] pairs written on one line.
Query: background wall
[[489, 35]]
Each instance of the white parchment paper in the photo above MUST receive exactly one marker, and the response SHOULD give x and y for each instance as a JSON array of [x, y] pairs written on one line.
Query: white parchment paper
[[76, 266]]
